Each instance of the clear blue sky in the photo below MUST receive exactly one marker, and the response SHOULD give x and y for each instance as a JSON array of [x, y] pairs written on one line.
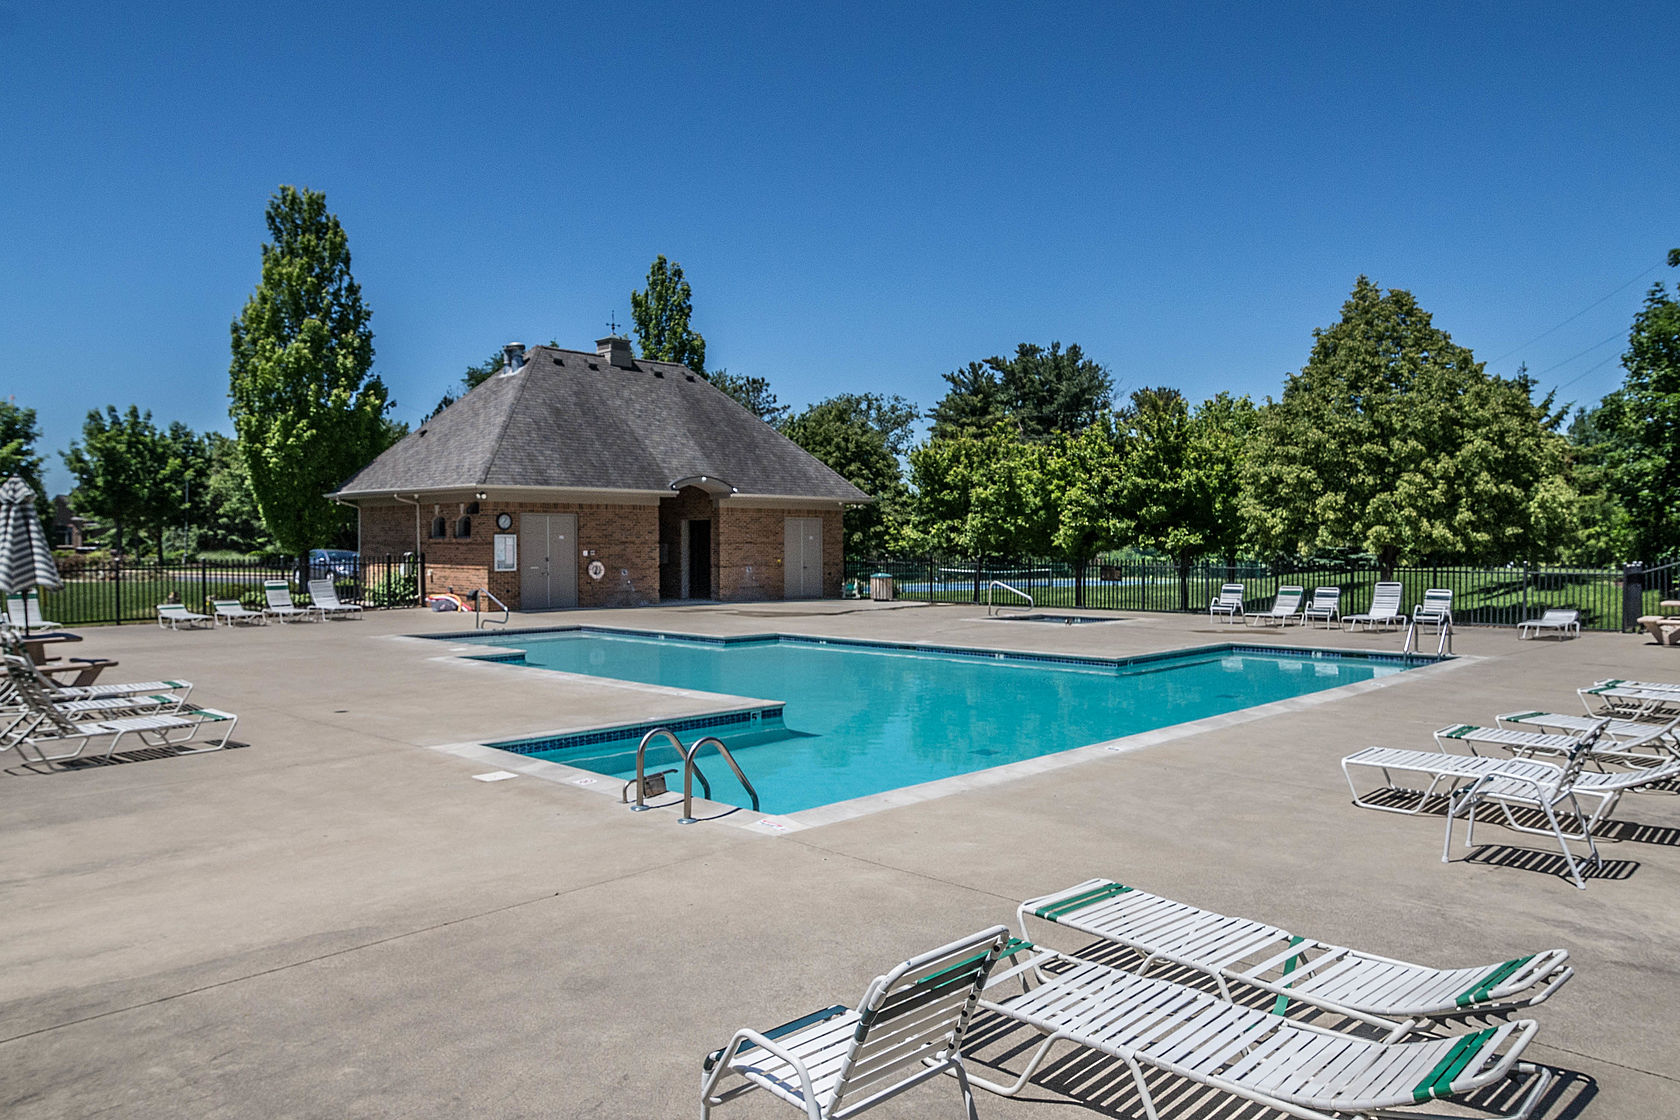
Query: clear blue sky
[[863, 196]]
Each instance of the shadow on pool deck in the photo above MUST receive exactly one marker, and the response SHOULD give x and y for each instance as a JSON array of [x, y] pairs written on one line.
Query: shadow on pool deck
[[333, 920]]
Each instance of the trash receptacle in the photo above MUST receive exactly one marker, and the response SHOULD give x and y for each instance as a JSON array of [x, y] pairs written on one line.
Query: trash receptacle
[[881, 587]]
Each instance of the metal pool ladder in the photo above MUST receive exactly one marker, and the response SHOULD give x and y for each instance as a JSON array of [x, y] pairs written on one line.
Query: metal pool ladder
[[690, 768], [1442, 649], [996, 583], [480, 622]]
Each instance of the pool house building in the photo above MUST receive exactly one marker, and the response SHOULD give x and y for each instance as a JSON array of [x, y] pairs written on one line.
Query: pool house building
[[572, 478]]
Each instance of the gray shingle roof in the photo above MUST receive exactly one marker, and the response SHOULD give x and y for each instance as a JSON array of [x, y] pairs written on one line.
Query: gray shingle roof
[[570, 419]]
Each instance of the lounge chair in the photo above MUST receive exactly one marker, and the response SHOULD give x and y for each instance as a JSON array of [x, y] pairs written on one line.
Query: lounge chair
[[46, 725], [1385, 608], [1436, 608], [1630, 700], [1561, 723], [62, 693], [175, 615], [1326, 604], [280, 603], [1250, 1052], [231, 612], [837, 1062], [24, 613], [1470, 780], [1565, 623], [1394, 995], [325, 597], [1286, 606], [1229, 603], [1655, 745]]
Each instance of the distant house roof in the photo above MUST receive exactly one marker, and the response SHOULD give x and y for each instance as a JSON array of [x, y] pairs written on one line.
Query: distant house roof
[[572, 420]]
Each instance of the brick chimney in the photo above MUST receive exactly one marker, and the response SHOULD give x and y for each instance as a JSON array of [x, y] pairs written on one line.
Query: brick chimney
[[616, 350]]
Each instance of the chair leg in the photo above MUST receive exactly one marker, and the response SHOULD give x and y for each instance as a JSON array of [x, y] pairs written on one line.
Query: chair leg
[[967, 1091]]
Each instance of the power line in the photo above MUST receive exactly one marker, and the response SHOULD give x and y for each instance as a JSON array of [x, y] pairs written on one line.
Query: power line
[[1582, 354], [1577, 315]]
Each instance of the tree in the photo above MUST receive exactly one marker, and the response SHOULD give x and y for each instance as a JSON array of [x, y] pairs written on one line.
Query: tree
[[184, 497], [1179, 490], [1642, 419], [973, 405], [1054, 390], [662, 313], [232, 519], [1083, 478], [307, 411], [1393, 439], [18, 435], [752, 394], [119, 468], [854, 434], [980, 497], [472, 379]]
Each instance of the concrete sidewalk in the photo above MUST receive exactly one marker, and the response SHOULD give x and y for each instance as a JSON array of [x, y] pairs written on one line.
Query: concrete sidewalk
[[334, 920]]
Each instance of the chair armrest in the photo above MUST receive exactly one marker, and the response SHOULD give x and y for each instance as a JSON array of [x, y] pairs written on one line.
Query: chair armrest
[[763, 1038]]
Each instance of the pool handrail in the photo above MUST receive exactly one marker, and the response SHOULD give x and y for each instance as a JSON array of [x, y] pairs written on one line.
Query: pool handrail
[[996, 583], [479, 621], [688, 763], [688, 816], [1442, 649]]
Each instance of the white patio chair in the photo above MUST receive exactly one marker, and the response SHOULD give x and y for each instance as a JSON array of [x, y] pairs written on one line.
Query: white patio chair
[[1252, 1053], [325, 597], [1562, 723], [1229, 603], [280, 603], [1385, 608], [838, 1062], [1395, 995], [1285, 606], [1655, 744], [1326, 604], [23, 611], [231, 612], [1631, 700], [173, 616], [1436, 608], [1565, 623]]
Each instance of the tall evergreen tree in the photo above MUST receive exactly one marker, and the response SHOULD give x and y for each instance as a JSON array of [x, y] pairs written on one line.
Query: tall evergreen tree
[[972, 406], [1053, 390], [662, 318], [470, 380], [752, 394], [306, 408]]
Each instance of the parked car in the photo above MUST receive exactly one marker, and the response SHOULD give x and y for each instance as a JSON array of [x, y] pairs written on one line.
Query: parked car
[[333, 562]]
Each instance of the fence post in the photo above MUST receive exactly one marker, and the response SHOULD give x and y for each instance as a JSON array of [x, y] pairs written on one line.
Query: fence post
[[1633, 594], [116, 572]]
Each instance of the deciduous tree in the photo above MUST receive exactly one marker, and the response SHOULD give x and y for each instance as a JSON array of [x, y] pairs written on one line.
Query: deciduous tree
[[307, 410], [662, 314], [18, 436], [1393, 439], [119, 467], [1083, 477], [854, 435], [979, 497]]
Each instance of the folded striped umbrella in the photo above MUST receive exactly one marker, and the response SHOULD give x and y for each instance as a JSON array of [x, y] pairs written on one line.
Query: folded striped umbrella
[[25, 557]]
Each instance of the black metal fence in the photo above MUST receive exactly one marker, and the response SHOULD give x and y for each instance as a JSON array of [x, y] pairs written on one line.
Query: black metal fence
[[117, 591], [1608, 599]]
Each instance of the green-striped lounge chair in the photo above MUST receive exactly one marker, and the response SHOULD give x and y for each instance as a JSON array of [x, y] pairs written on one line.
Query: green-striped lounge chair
[[45, 725], [1286, 606], [1631, 700], [840, 1061], [1251, 1052], [1229, 602], [1656, 743], [1561, 723], [280, 605], [324, 595], [1304, 974]]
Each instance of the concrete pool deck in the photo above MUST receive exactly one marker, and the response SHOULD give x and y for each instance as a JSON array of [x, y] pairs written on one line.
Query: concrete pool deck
[[335, 920]]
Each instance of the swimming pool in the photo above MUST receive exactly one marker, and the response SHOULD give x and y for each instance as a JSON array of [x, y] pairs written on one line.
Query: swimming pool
[[843, 719]]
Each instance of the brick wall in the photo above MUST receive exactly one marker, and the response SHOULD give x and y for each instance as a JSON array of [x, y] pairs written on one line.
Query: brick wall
[[689, 503], [751, 552]]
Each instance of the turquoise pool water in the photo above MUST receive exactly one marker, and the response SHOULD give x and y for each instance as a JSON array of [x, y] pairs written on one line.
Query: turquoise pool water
[[862, 718]]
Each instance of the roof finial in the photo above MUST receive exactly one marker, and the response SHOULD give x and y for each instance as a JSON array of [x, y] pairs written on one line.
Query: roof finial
[[612, 324]]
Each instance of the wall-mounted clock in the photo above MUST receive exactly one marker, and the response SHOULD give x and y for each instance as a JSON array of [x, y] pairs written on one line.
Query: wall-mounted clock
[[504, 521]]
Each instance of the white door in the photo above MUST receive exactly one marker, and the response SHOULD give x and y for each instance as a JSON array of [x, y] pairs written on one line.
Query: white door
[[548, 561], [802, 559]]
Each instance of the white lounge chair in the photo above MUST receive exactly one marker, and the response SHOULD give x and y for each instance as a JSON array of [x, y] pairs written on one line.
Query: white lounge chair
[[1562, 723], [838, 1062], [1436, 608], [1655, 745], [1385, 608], [173, 616], [24, 613], [1565, 623], [1229, 603], [1285, 606], [1470, 780], [46, 725], [1326, 604], [1250, 1052], [1631, 700], [280, 603], [325, 597], [231, 612], [1395, 995]]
